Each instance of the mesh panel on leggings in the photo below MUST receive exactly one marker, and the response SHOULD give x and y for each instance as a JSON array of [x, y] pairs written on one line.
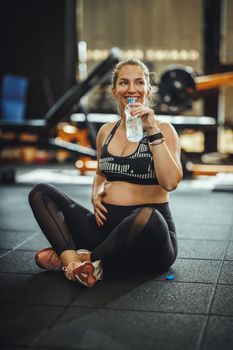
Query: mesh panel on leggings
[[139, 223], [52, 223], [123, 236]]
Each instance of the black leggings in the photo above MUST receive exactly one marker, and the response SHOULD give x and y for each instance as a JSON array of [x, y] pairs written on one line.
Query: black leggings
[[141, 235]]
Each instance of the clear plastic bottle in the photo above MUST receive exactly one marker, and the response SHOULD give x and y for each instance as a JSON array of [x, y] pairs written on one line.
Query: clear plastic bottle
[[133, 124]]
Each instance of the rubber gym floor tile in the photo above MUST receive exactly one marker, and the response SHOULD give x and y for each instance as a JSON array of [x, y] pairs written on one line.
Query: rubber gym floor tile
[[46, 288], [203, 197], [36, 243], [14, 348], [121, 330], [149, 296], [18, 220], [231, 236], [23, 325], [199, 216], [203, 231], [229, 253], [111, 289], [201, 249], [223, 300], [12, 239], [218, 334], [13, 197], [194, 270], [3, 252], [199, 193], [15, 212], [20, 262], [121, 312], [226, 275], [197, 210]]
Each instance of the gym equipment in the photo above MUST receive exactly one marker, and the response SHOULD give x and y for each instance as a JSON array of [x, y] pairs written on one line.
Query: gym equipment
[[13, 97], [43, 129], [179, 85]]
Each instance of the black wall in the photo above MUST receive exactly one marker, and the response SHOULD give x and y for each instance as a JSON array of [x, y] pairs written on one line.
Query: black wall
[[38, 40]]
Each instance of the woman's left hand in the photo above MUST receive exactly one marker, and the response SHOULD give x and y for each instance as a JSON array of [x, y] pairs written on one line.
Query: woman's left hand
[[146, 114]]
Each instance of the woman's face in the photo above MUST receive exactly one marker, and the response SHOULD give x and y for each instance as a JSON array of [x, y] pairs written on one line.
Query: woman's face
[[131, 82]]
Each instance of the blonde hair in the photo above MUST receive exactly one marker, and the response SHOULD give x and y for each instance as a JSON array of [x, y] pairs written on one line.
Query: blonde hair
[[130, 62]]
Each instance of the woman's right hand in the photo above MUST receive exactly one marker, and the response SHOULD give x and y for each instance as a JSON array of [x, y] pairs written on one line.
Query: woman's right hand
[[99, 209]]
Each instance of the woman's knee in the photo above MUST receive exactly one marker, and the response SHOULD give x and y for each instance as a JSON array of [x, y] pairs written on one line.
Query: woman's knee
[[39, 188], [155, 215]]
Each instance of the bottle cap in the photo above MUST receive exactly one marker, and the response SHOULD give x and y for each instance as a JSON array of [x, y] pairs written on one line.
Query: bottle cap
[[131, 100], [170, 277]]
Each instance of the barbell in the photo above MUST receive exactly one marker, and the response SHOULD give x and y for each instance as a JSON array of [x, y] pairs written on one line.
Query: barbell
[[179, 85]]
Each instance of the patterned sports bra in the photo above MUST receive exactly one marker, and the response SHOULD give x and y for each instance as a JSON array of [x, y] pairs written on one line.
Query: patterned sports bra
[[137, 168]]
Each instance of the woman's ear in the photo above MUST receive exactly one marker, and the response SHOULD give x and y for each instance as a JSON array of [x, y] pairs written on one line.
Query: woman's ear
[[113, 92], [149, 92]]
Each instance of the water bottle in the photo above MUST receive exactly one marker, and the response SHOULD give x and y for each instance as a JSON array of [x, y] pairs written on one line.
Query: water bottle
[[133, 124]]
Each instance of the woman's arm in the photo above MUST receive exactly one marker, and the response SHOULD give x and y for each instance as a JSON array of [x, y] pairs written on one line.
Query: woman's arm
[[166, 155], [98, 191]]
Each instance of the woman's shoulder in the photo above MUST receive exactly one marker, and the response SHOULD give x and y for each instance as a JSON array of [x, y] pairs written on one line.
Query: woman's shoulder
[[104, 131], [106, 128]]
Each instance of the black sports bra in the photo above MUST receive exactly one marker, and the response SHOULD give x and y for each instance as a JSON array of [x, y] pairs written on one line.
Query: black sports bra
[[137, 168]]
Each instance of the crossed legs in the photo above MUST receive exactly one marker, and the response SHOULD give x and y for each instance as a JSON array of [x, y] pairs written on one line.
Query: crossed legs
[[142, 238]]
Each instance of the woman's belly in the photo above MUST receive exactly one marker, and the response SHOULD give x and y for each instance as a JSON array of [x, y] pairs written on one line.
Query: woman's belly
[[125, 193]]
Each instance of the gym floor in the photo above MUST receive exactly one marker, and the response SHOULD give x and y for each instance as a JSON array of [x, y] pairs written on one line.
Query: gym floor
[[43, 310]]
